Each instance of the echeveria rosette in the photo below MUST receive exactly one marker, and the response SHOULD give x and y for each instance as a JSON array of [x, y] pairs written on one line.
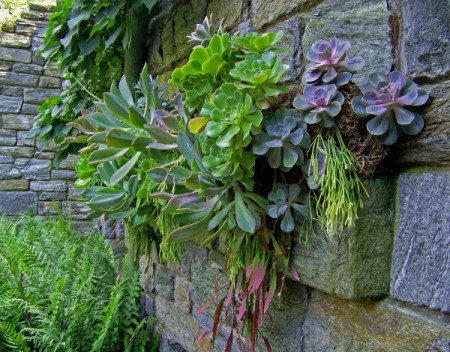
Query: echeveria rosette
[[387, 97], [232, 117], [320, 104], [290, 203], [284, 139], [328, 63], [260, 73]]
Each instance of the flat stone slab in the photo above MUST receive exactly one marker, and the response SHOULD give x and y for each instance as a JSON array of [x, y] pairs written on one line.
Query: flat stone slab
[[421, 260], [14, 203], [356, 263]]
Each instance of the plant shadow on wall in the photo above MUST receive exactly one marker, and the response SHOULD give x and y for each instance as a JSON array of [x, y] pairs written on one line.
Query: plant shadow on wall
[[221, 160]]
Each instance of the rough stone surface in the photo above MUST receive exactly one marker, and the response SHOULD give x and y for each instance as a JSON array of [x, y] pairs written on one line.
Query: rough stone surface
[[364, 23], [14, 203], [10, 104], [232, 13], [22, 139], [6, 159], [7, 137], [164, 282], [34, 169], [51, 186], [20, 122], [64, 175], [49, 82], [11, 91], [11, 40], [426, 33], [18, 79], [5, 65], [355, 264], [334, 324], [14, 185], [17, 152], [39, 95], [421, 260], [265, 12], [8, 172], [31, 109], [15, 55], [53, 196], [432, 145], [182, 294], [292, 39], [28, 68]]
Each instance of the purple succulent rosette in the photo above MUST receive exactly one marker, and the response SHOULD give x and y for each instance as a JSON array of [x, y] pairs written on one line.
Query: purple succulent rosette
[[320, 104], [388, 98], [328, 63]]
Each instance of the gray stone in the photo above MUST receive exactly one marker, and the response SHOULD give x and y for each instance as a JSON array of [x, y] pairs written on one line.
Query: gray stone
[[15, 55], [22, 139], [28, 68], [232, 13], [34, 169], [182, 294], [164, 282], [11, 40], [432, 145], [26, 30], [265, 12], [14, 203], [52, 71], [78, 210], [30, 23], [9, 172], [12, 91], [30, 109], [14, 185], [38, 60], [53, 196], [149, 305], [47, 208], [69, 162], [49, 82], [40, 95], [356, 263], [426, 33], [18, 79], [364, 23], [17, 152], [64, 174], [421, 259], [335, 324], [10, 104], [32, 15], [6, 159], [17, 122], [42, 6], [44, 155], [7, 137], [73, 192], [8, 27], [5, 65], [50, 186], [292, 39]]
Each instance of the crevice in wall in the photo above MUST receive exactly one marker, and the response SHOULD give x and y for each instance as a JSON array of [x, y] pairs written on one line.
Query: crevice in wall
[[302, 322]]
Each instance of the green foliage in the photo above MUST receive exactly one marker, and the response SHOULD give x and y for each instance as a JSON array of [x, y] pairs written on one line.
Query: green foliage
[[58, 291], [89, 40], [11, 10]]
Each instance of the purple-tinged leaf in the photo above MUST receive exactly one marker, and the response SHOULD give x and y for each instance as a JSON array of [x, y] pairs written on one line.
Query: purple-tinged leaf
[[294, 273], [379, 124], [403, 116], [242, 310]]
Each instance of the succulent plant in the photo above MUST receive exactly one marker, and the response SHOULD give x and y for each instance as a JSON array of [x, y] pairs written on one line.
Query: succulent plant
[[320, 104], [262, 73], [387, 97], [328, 63], [290, 202], [205, 31], [258, 43], [197, 89], [232, 114], [284, 139]]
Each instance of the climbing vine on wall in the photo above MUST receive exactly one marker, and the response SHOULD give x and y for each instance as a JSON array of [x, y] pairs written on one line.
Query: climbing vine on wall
[[92, 41]]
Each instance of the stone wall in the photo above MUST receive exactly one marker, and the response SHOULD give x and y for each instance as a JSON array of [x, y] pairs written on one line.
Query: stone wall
[[383, 285], [27, 182]]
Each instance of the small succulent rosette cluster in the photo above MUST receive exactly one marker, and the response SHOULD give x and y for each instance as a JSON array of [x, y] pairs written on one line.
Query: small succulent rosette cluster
[[284, 139], [389, 99], [327, 70]]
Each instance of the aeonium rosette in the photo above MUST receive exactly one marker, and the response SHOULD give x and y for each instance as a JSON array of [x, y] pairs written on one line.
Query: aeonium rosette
[[390, 98]]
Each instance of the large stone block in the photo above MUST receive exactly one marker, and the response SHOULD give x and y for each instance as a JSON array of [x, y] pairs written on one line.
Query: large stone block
[[28, 68], [364, 23], [18, 79], [14, 185], [292, 40], [19, 122], [17, 152], [64, 175], [10, 104], [9, 172], [49, 82], [265, 12], [15, 55], [421, 259], [425, 32], [50, 186], [12, 40], [78, 210], [14, 203], [34, 169], [23, 140], [7, 137], [39, 95], [164, 282], [335, 324], [11, 91], [432, 145], [356, 263], [5, 65], [234, 12]]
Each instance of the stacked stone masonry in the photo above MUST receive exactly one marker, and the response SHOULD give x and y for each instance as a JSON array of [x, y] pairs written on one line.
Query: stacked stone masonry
[[383, 285], [27, 182]]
